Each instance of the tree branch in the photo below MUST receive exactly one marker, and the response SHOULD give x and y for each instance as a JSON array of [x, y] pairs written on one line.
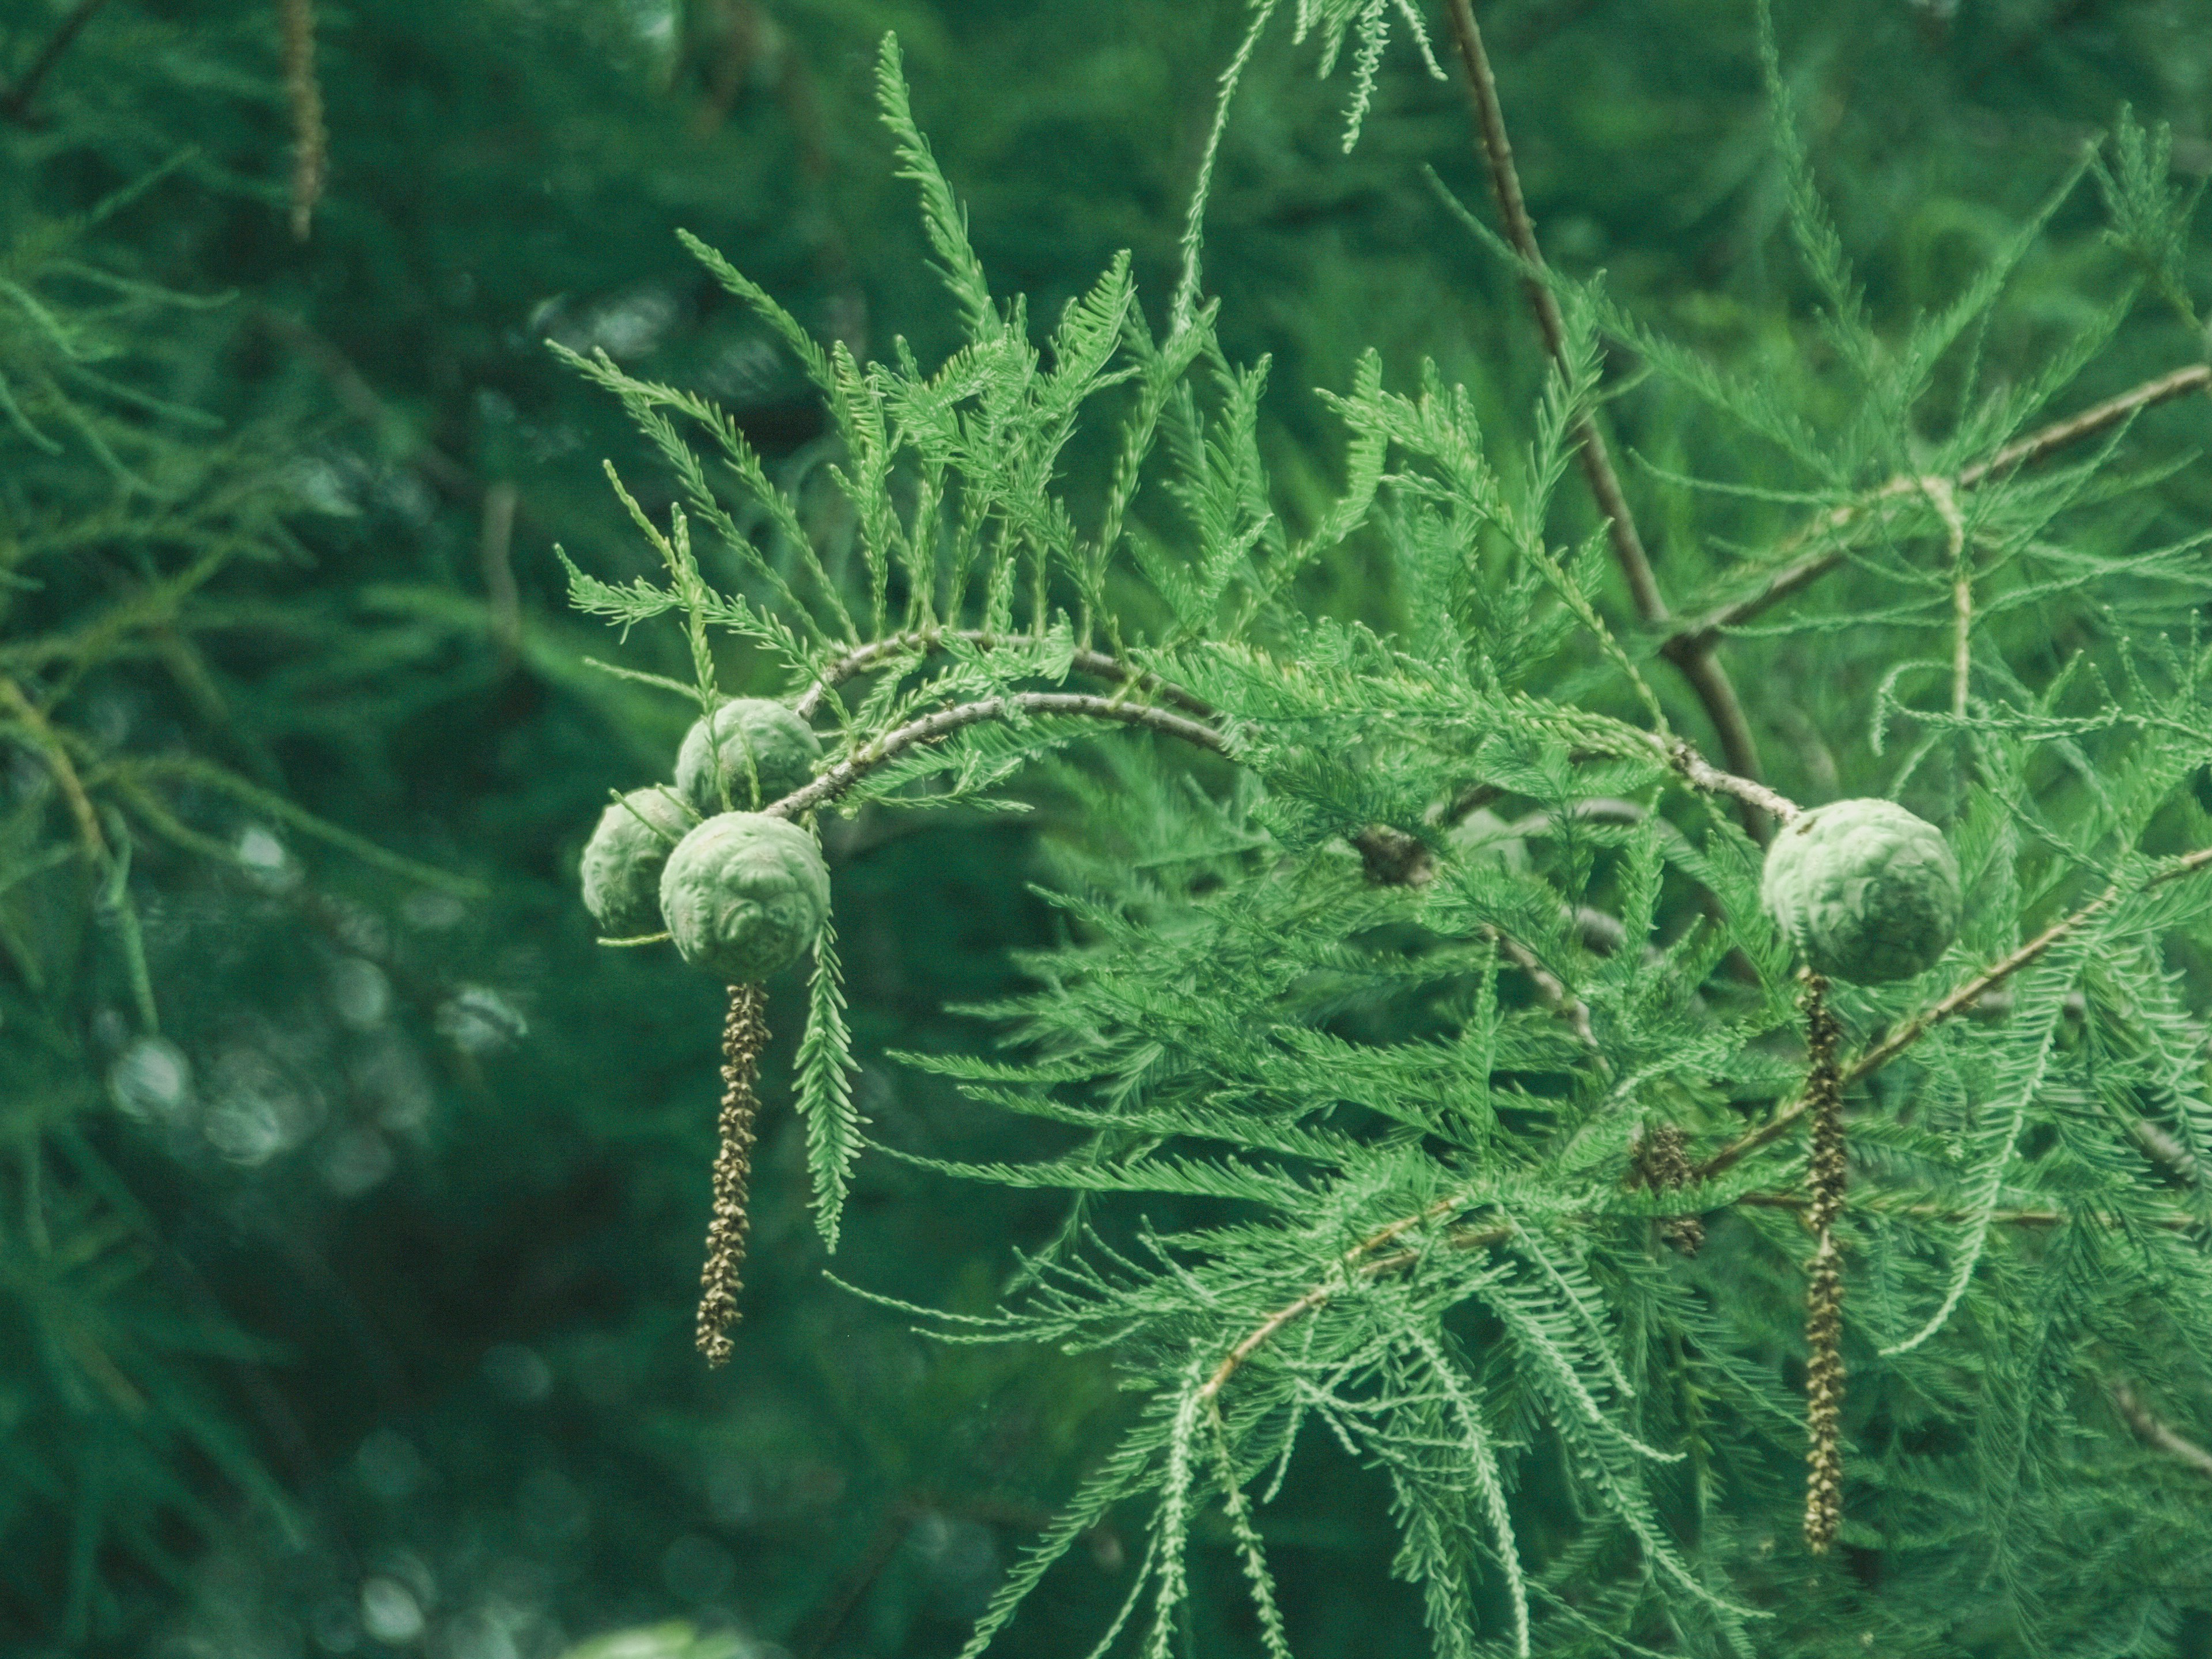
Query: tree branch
[[15, 103], [932, 727], [2025, 452], [2153, 1431], [1693, 655], [1358, 1262], [1919, 1025], [1097, 664], [12, 697], [1701, 773]]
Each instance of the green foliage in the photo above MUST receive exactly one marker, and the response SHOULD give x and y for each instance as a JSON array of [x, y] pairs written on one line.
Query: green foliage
[[1355, 1112], [825, 1088], [392, 1231]]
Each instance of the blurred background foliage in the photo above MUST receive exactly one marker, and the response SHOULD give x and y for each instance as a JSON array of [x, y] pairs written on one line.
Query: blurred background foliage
[[349, 1197]]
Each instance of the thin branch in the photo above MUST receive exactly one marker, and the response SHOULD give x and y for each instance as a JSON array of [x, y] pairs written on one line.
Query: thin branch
[[1949, 1213], [2091, 421], [1701, 773], [946, 721], [1553, 990], [1693, 656], [1360, 1258], [2025, 451], [1359, 1262], [1919, 1025], [17, 103], [57, 760], [1097, 664], [2153, 1431]]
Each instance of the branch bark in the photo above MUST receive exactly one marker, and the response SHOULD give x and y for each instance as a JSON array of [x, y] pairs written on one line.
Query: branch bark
[[2024, 451], [1693, 656], [1959, 1000], [1097, 664], [2155, 1432], [930, 728]]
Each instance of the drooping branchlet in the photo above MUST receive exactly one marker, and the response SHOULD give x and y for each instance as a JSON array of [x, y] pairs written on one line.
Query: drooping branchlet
[[1823, 1295], [745, 1034]]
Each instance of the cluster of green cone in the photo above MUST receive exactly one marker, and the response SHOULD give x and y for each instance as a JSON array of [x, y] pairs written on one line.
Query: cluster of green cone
[[743, 894]]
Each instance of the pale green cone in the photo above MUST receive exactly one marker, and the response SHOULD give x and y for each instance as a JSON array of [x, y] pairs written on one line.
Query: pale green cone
[[623, 859], [1868, 891], [745, 896], [782, 749]]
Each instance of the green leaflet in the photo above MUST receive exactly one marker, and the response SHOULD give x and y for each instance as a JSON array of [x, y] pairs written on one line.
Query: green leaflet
[[826, 1070]]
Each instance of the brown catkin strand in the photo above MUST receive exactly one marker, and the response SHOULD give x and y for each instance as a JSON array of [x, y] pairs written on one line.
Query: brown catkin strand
[[1823, 1295], [745, 1034], [304, 91], [1662, 1164]]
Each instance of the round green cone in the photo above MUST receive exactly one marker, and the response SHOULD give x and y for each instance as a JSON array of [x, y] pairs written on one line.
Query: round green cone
[[781, 747], [745, 896], [1868, 891], [623, 859]]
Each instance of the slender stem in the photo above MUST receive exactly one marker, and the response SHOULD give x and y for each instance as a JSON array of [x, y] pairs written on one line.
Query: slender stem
[[1562, 1001], [15, 103], [1097, 664], [12, 697], [2025, 452], [1358, 1262], [1361, 1257], [946, 721], [1701, 773], [2091, 421], [1694, 657], [1952, 1212], [2153, 1431], [1919, 1025]]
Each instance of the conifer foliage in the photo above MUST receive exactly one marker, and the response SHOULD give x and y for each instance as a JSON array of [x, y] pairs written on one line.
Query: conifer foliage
[[1435, 1085]]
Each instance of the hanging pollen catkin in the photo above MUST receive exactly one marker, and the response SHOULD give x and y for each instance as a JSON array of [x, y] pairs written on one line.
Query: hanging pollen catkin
[[310, 139], [1662, 1164], [745, 1034], [1823, 1295]]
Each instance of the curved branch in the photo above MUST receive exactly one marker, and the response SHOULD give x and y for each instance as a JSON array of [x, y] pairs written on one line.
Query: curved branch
[[1097, 664], [932, 727], [1693, 655], [2155, 1432], [1360, 1260], [1701, 773], [1959, 1000], [2025, 452], [57, 755]]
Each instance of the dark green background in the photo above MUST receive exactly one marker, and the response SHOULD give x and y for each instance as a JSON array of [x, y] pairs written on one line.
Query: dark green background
[[416, 1282]]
